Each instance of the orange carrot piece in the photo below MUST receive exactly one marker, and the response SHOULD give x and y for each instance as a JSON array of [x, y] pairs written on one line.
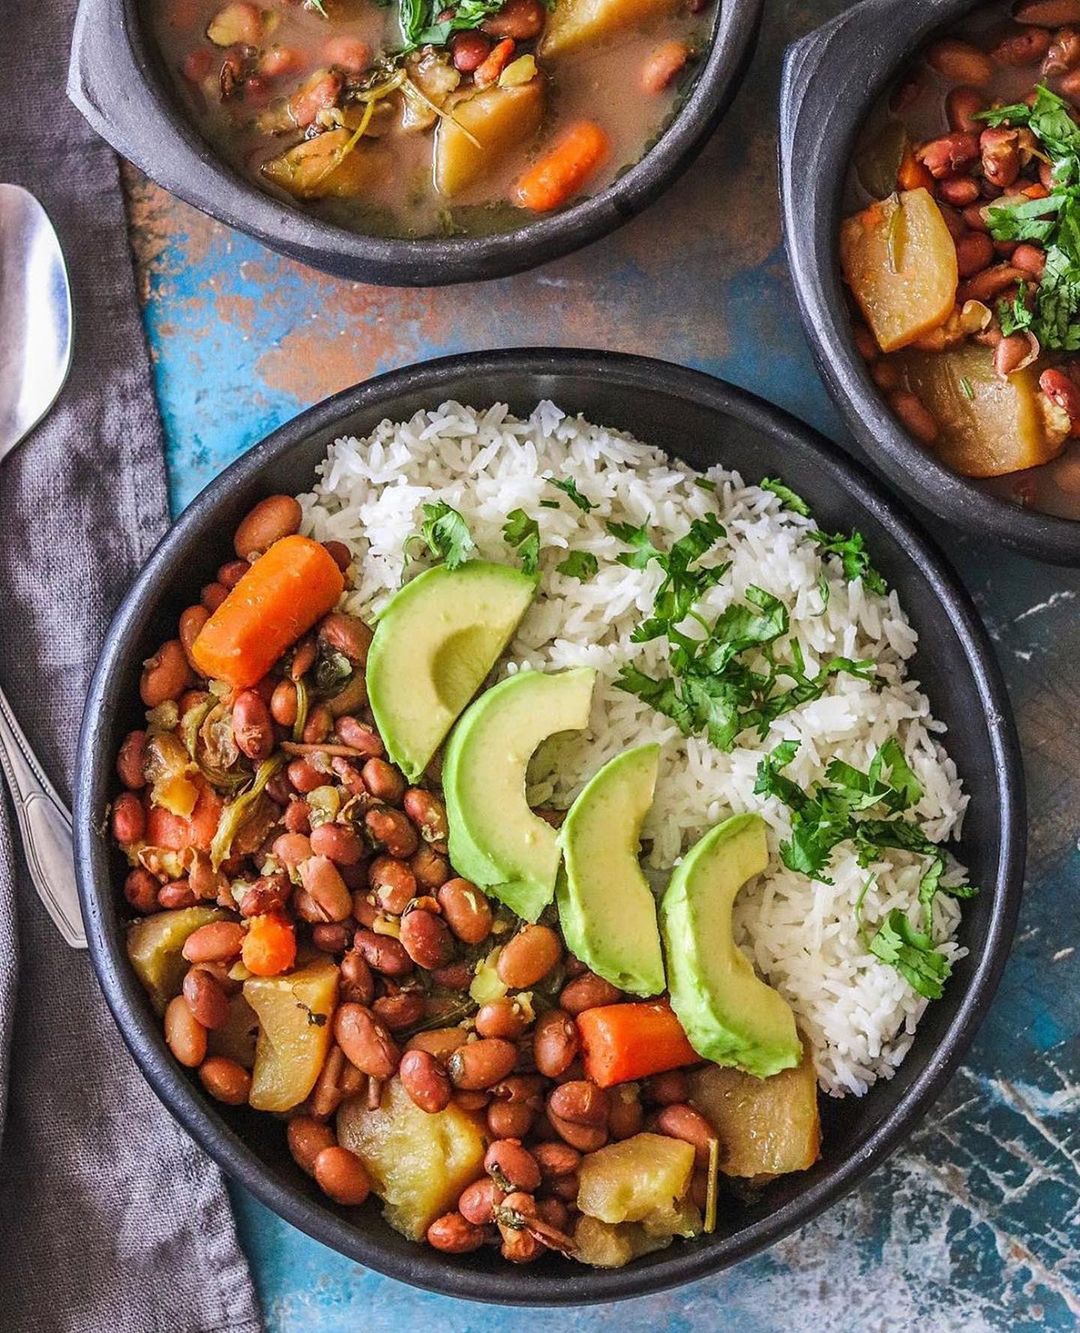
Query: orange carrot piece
[[164, 829], [564, 169], [288, 588], [269, 946], [913, 175], [620, 1042]]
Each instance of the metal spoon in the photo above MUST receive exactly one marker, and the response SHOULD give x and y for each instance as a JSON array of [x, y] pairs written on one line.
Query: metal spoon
[[35, 357]]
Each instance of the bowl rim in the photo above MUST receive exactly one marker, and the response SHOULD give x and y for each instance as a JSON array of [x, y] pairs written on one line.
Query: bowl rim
[[832, 78], [118, 82], [629, 375]]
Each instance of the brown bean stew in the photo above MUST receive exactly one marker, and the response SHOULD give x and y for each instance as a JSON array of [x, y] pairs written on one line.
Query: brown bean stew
[[300, 928], [406, 119], [964, 266]]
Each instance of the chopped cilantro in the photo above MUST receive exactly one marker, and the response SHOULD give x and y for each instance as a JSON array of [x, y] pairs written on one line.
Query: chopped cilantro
[[786, 496], [578, 565], [570, 490], [851, 551], [830, 815], [965, 385], [422, 23], [445, 534], [704, 484], [549, 504], [1052, 309], [523, 533], [682, 586]]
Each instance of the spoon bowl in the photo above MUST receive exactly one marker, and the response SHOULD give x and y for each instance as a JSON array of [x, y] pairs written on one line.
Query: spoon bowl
[[35, 316]]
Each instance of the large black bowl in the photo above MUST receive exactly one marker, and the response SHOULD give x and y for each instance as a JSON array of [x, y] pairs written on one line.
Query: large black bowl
[[703, 421], [832, 79], [118, 81]]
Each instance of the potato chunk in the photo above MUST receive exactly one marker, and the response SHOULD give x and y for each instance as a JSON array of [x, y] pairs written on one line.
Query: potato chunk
[[294, 1013], [575, 23], [154, 945], [236, 1039], [639, 1179], [499, 118], [418, 1163], [989, 425], [320, 168], [766, 1126], [900, 262], [606, 1245]]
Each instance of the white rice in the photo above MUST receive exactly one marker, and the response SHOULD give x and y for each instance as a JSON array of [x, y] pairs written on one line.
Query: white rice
[[802, 935]]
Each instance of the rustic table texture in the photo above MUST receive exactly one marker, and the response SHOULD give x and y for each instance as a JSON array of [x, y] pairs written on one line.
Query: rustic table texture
[[975, 1224]]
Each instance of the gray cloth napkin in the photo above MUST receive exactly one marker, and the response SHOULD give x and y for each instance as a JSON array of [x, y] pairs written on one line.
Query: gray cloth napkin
[[111, 1220]]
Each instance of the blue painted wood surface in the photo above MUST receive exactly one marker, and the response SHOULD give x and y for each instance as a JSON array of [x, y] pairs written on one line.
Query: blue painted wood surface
[[976, 1223]]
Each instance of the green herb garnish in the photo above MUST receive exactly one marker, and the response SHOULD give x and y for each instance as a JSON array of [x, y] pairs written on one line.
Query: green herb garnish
[[1053, 223], [787, 497], [851, 551], [968, 391], [682, 585], [578, 565], [704, 484], [833, 813], [445, 534], [523, 533], [568, 486]]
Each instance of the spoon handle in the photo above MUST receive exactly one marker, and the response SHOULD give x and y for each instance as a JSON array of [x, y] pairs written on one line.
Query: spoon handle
[[46, 829]]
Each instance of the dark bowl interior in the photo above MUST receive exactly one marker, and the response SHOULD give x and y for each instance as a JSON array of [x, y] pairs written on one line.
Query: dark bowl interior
[[832, 79], [703, 421], [118, 82]]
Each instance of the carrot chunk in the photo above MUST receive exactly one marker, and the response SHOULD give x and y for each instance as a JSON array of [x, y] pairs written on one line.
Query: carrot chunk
[[564, 169], [269, 946], [912, 175], [164, 829], [287, 589], [620, 1042]]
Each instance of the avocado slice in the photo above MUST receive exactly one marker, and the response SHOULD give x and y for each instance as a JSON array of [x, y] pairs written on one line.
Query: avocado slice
[[606, 908], [730, 1015], [436, 640], [495, 839]]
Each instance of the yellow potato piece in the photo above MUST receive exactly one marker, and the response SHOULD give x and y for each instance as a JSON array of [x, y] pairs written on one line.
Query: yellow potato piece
[[989, 425], [499, 119], [154, 944], [766, 1126], [638, 1179], [236, 1039], [900, 262], [575, 23], [606, 1245], [418, 1163], [320, 168], [294, 1013]]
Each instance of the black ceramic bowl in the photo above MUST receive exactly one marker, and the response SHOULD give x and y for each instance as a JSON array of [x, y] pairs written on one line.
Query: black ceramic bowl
[[832, 79], [703, 421], [117, 80]]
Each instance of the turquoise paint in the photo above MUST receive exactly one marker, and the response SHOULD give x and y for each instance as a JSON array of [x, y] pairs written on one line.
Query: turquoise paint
[[974, 1224]]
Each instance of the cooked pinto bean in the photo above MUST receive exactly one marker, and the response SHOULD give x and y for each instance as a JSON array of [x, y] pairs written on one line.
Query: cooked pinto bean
[[509, 1120], [252, 725], [469, 50], [949, 154], [1063, 392], [191, 622], [974, 252], [205, 998], [347, 635], [501, 1018], [918, 419], [331, 936], [355, 981], [176, 894], [555, 1043], [439, 1042], [1000, 151], [212, 595], [959, 191], [225, 1080], [426, 938], [425, 1080], [520, 19], [663, 65], [339, 842], [1022, 48], [185, 1036], [962, 106], [128, 819], [292, 848], [455, 976], [1063, 53], [383, 953], [166, 675], [141, 890], [218, 942], [383, 781], [1009, 353], [960, 62], [481, 1064], [466, 909], [586, 1138], [581, 1102], [556, 1159], [679, 1121], [588, 992], [431, 871], [528, 957], [626, 1115], [392, 830], [452, 1234], [340, 1174], [365, 1041], [305, 777], [271, 519], [131, 761], [307, 1138], [318, 725], [359, 736], [511, 1166], [401, 1011], [663, 1089], [428, 813], [479, 1201], [1030, 258], [393, 884]]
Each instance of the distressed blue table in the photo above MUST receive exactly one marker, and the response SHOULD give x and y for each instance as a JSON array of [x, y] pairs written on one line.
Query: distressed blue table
[[976, 1223]]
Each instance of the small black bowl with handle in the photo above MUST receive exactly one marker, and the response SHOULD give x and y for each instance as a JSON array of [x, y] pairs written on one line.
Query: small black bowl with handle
[[118, 80], [702, 421], [832, 79]]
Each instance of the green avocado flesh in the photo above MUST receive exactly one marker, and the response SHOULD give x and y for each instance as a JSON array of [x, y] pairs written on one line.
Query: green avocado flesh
[[436, 640], [606, 908], [495, 838], [730, 1015]]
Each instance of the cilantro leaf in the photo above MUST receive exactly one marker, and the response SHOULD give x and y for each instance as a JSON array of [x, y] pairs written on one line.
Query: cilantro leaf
[[705, 484], [787, 497], [445, 534], [578, 565], [663, 695], [420, 26], [568, 486], [912, 953], [523, 533], [851, 551], [642, 549], [682, 586]]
